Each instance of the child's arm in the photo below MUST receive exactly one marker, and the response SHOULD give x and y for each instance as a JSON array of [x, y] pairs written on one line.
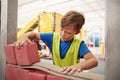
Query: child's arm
[[90, 62], [28, 37]]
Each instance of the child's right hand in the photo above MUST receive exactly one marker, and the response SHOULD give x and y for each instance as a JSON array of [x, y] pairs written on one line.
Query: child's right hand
[[27, 38], [22, 40]]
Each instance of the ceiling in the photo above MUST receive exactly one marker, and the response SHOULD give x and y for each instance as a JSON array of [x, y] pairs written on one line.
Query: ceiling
[[94, 11]]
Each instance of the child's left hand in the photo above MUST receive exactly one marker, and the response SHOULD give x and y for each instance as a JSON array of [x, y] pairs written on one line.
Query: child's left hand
[[71, 69]]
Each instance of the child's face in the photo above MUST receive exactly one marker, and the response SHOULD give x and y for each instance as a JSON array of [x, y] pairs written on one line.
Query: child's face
[[67, 33]]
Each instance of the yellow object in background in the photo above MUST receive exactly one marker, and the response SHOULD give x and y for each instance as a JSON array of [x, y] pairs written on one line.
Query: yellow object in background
[[39, 52], [102, 48], [32, 25], [45, 22], [49, 22]]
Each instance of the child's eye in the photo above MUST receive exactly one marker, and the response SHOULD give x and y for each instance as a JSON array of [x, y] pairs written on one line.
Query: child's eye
[[69, 33]]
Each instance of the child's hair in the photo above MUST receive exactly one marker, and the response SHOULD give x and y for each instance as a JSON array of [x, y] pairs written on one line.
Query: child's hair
[[73, 18]]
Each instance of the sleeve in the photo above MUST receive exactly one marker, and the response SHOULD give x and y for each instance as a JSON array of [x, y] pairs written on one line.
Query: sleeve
[[47, 39], [83, 50]]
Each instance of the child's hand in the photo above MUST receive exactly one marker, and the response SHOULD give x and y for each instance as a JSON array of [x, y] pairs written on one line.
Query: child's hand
[[71, 69], [27, 38], [22, 40]]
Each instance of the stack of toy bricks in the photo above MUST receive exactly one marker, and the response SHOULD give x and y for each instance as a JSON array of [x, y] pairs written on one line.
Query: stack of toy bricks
[[25, 55]]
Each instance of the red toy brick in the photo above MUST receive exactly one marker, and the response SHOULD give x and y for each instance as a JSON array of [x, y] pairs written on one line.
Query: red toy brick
[[52, 77], [21, 74], [10, 53], [27, 54], [10, 72], [36, 76]]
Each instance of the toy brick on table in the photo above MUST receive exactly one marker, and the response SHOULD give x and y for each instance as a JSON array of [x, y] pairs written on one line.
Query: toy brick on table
[[37, 76], [22, 74], [27, 54], [10, 53], [10, 72]]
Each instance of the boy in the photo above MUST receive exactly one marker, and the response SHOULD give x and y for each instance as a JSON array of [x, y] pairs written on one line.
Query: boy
[[65, 47]]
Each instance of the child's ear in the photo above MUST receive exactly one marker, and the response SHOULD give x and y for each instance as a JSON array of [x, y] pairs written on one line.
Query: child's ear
[[78, 32]]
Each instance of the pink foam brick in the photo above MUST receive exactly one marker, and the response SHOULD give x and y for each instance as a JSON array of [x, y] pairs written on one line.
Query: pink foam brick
[[27, 54], [21, 74], [37, 76], [10, 72], [10, 53]]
